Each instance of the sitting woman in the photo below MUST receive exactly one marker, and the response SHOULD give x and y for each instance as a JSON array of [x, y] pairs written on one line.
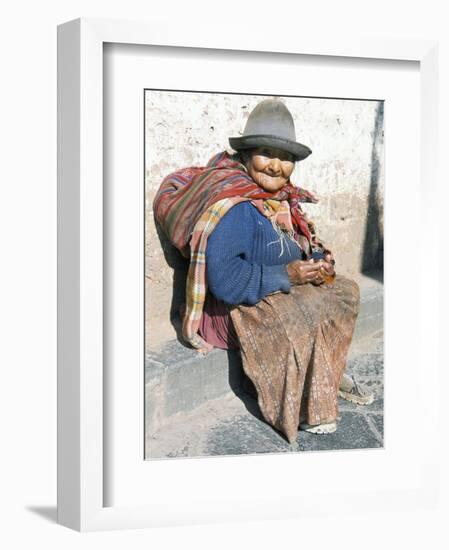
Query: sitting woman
[[259, 278]]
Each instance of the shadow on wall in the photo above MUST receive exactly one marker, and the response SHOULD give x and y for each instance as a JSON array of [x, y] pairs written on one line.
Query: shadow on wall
[[180, 266], [373, 246]]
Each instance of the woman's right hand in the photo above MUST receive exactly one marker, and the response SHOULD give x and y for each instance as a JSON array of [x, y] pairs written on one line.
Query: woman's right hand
[[301, 272]]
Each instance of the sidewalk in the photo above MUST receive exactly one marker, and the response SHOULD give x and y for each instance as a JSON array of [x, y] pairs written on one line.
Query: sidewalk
[[231, 424]]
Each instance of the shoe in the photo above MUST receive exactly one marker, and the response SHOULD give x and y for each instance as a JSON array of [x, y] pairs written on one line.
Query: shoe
[[327, 428], [352, 391]]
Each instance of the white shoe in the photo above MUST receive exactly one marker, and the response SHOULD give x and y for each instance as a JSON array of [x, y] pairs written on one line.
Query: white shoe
[[326, 428], [352, 391]]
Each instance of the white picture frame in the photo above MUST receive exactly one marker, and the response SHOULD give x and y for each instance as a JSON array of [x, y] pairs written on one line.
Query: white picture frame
[[82, 488]]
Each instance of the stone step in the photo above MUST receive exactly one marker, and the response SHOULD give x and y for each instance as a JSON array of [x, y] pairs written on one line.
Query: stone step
[[232, 424], [178, 379], [370, 318]]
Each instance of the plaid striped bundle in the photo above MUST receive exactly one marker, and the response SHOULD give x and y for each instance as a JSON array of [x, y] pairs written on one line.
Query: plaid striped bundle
[[189, 204]]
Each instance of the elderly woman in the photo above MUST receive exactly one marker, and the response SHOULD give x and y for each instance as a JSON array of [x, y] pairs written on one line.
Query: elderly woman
[[259, 278]]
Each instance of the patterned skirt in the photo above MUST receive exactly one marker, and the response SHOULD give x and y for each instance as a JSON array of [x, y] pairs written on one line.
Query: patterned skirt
[[294, 349]]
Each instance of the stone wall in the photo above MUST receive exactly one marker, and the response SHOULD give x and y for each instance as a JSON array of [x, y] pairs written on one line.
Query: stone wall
[[346, 170]]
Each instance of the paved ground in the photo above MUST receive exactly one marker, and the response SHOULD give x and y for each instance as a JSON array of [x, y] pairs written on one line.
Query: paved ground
[[233, 425]]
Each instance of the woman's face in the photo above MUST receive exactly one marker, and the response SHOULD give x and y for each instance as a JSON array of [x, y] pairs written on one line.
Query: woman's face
[[270, 168]]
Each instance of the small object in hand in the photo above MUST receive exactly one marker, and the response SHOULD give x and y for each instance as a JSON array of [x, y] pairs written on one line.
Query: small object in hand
[[318, 255]]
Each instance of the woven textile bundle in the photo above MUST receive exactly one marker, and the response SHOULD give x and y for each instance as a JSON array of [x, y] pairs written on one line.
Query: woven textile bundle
[[189, 204]]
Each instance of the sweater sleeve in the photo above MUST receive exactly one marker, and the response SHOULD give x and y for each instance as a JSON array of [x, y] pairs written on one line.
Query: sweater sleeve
[[231, 276]]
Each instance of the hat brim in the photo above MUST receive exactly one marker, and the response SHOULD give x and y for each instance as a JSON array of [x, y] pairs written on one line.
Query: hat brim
[[298, 150]]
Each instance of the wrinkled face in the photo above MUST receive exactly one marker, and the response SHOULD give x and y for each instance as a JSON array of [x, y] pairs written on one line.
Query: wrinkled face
[[270, 168]]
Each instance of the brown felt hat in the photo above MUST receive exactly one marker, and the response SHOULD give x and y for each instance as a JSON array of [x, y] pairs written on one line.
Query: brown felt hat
[[270, 124]]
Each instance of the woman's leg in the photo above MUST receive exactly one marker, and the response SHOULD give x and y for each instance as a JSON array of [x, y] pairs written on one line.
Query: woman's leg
[[294, 348], [338, 305]]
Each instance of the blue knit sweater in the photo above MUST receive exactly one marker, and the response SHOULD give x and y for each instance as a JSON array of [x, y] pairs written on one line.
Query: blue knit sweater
[[244, 257]]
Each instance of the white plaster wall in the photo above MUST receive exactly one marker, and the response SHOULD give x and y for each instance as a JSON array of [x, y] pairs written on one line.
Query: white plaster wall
[[345, 170]]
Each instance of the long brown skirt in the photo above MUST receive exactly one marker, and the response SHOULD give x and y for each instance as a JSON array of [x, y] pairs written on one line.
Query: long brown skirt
[[294, 349]]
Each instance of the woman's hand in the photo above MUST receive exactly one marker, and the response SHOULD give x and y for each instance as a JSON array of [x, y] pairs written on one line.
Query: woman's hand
[[327, 270], [301, 272]]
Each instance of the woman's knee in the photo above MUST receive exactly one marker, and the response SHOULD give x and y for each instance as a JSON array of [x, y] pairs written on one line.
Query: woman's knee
[[350, 291]]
